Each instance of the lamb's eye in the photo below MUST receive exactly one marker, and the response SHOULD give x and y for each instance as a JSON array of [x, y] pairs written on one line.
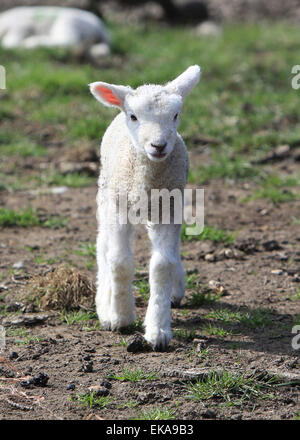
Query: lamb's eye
[[175, 117], [133, 118]]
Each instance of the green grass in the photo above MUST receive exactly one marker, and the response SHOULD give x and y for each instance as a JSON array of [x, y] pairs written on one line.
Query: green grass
[[214, 330], [295, 296], [136, 326], [72, 180], [209, 233], [134, 375], [223, 167], [256, 318], [143, 288], [197, 293], [91, 400], [184, 334], [28, 218], [87, 250], [277, 189], [77, 317], [22, 336], [229, 388], [155, 414]]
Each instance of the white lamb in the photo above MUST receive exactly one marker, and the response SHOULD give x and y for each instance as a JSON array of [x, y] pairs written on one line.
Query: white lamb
[[141, 151], [51, 26]]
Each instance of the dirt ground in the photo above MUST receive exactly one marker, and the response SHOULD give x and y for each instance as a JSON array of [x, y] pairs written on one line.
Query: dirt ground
[[259, 272]]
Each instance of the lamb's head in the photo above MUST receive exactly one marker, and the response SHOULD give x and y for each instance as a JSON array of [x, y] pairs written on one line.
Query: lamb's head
[[152, 111]]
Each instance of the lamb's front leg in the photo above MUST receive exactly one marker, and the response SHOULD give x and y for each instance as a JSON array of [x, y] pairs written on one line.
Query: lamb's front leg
[[163, 269], [121, 270]]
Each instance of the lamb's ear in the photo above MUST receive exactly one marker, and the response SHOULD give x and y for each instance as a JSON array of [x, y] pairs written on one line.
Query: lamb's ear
[[185, 82], [110, 94]]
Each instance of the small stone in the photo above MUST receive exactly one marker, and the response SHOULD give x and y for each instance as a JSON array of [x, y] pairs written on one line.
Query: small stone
[[70, 386], [13, 355], [210, 258], [18, 265], [271, 245], [229, 253], [277, 272], [106, 384], [14, 307], [40, 380], [98, 390], [209, 414], [137, 343], [26, 320], [216, 286], [88, 367]]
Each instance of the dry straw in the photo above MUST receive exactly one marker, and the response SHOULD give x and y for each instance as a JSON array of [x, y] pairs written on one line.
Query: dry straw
[[64, 288]]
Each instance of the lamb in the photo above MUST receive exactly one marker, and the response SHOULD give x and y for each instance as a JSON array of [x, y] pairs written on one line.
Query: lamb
[[141, 151], [50, 26]]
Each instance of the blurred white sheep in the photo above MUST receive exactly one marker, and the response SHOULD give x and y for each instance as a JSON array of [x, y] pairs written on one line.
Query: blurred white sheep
[[50, 26]]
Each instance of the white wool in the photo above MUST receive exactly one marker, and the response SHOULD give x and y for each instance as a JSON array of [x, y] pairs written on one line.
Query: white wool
[[50, 26], [141, 151]]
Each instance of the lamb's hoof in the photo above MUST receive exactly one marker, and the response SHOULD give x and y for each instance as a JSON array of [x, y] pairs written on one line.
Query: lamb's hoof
[[175, 303], [106, 325], [161, 347], [160, 340]]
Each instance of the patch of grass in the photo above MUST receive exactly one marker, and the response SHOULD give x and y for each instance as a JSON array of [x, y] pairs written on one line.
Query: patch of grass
[[73, 180], [275, 188], [213, 330], [91, 400], [296, 295], [297, 416], [136, 326], [130, 404], [143, 288], [26, 218], [193, 354], [209, 233], [77, 317], [234, 388], [199, 294], [29, 218], [296, 320], [87, 250], [155, 414], [13, 144], [22, 336], [134, 375], [257, 318], [184, 334], [223, 167]]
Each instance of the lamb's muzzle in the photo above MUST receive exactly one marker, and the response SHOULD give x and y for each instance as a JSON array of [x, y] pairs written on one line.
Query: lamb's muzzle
[[141, 151]]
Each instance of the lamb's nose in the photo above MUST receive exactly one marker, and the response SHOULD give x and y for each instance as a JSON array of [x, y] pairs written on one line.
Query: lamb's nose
[[159, 148]]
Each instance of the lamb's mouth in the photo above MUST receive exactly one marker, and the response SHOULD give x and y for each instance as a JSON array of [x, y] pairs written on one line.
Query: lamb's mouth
[[158, 155]]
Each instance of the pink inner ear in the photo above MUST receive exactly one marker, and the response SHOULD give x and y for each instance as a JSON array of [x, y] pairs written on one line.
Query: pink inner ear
[[108, 95]]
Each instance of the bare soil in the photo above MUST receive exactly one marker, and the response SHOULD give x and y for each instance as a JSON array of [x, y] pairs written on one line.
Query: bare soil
[[255, 275]]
